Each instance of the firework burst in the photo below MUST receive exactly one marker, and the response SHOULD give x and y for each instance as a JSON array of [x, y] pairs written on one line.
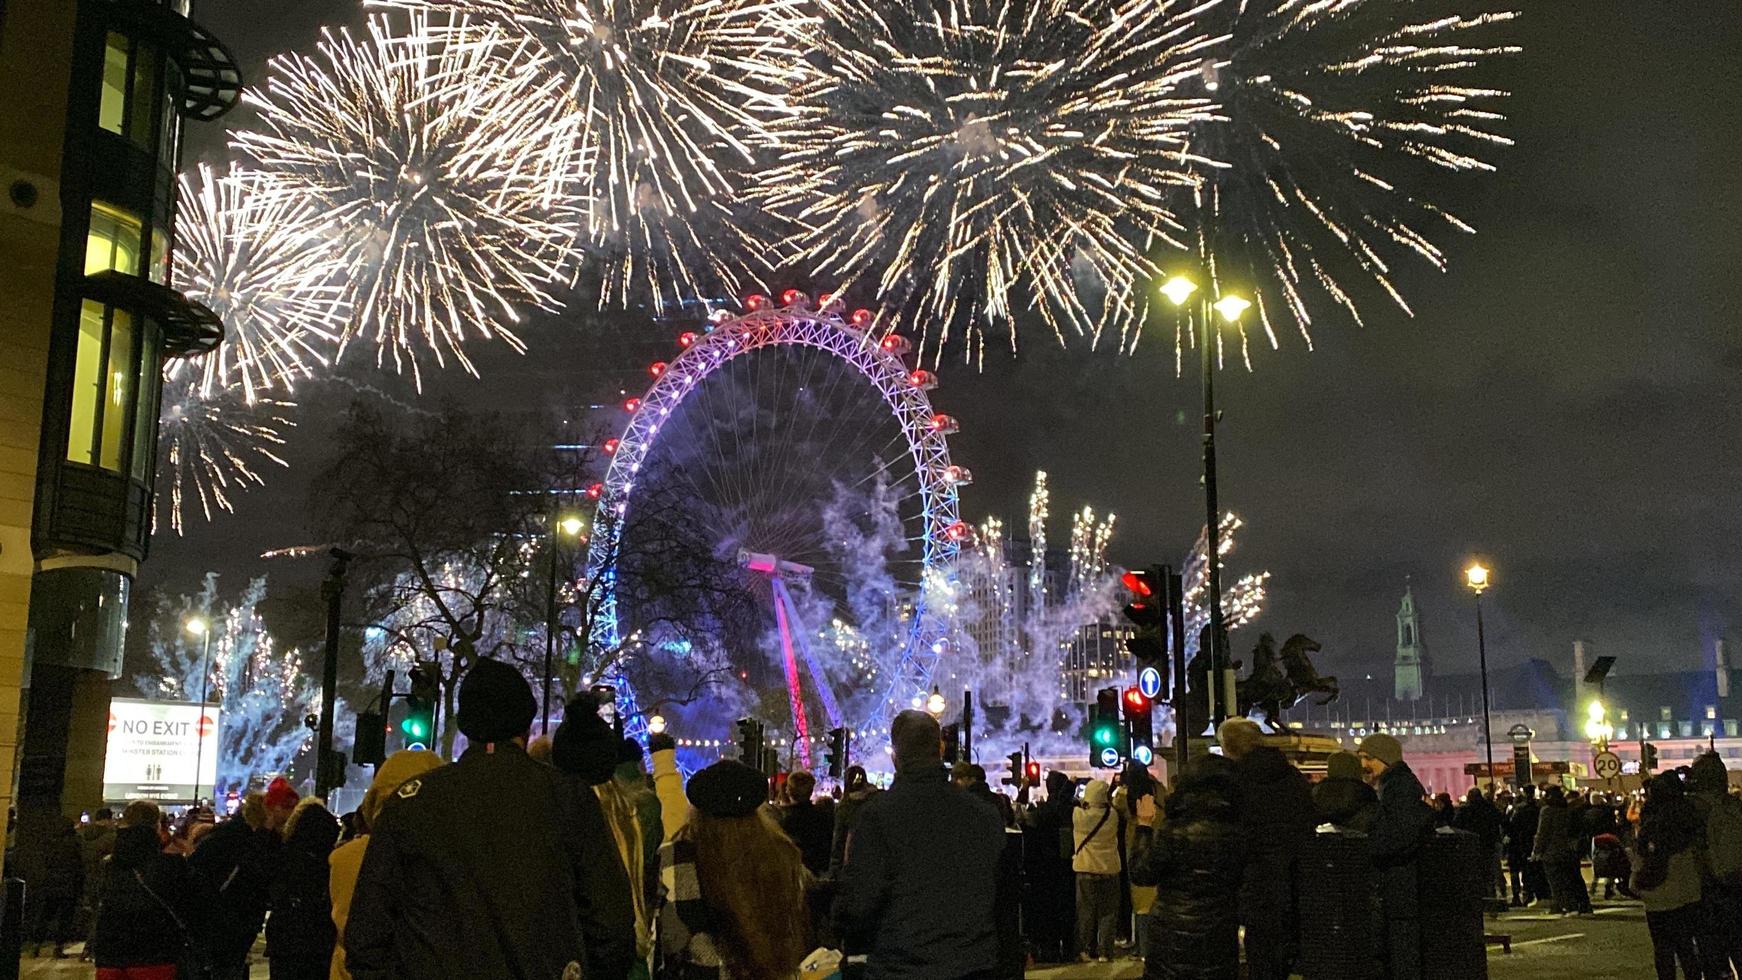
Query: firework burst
[[1332, 117], [212, 444], [660, 107], [965, 158], [425, 162], [275, 286]]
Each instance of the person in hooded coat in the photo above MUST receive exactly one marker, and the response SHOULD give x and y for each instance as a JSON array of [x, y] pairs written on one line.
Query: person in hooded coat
[[1049, 902], [347, 859], [1342, 798], [1520, 843], [857, 790], [149, 908], [1481, 817], [299, 932], [1277, 814], [1194, 860], [1557, 848]]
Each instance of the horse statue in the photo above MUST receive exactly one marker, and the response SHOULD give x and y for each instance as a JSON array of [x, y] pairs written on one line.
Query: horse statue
[[1281, 680]]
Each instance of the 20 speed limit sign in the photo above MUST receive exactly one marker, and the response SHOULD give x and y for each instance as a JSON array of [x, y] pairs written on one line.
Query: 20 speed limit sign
[[1607, 765]]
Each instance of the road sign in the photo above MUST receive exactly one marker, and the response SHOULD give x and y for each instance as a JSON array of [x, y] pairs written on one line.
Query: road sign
[[1607, 765], [1149, 682], [1143, 754], [1110, 757]]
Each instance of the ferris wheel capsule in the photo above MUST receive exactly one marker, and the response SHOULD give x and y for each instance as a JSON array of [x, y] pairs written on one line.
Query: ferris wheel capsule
[[959, 531], [595, 491], [961, 476], [686, 339], [923, 380], [830, 303], [896, 344], [657, 368], [755, 301], [630, 405], [945, 424], [861, 318], [611, 445], [794, 297]]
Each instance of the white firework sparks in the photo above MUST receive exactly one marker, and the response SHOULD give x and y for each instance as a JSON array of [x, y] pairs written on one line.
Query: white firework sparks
[[1332, 117], [965, 159], [427, 163], [251, 261], [213, 445], [660, 107]]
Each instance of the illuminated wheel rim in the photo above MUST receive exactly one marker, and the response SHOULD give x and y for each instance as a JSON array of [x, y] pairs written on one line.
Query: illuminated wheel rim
[[877, 359]]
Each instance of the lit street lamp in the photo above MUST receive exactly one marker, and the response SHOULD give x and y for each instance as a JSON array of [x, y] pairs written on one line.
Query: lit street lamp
[[1178, 289], [1597, 727], [198, 626], [1476, 576], [936, 704], [570, 526]]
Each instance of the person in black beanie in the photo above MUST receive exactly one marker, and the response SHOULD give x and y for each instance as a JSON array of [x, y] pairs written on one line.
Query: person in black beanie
[[445, 892]]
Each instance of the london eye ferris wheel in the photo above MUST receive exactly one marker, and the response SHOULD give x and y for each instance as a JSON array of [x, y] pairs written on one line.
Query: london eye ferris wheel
[[794, 444]]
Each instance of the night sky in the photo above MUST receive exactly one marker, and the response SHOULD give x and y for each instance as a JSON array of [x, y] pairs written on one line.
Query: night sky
[[1567, 402]]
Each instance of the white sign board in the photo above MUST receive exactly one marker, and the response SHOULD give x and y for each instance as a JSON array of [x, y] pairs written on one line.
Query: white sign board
[[1606, 765], [153, 751]]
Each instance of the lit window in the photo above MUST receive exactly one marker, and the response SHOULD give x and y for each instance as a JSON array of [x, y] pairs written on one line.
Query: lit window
[[119, 395], [113, 241], [112, 110], [1663, 714], [87, 385], [1711, 712]]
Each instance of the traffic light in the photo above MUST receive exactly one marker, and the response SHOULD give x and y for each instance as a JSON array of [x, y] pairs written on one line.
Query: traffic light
[[1647, 757], [1033, 773], [418, 725], [1105, 732], [369, 745], [1140, 718], [1013, 772], [750, 742], [836, 755], [952, 736], [1149, 646]]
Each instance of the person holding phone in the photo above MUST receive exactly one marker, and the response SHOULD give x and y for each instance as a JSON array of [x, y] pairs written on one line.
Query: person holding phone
[[1194, 860], [1096, 863]]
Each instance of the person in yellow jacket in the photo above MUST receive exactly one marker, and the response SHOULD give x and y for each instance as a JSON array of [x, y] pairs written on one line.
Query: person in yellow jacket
[[674, 807], [347, 859]]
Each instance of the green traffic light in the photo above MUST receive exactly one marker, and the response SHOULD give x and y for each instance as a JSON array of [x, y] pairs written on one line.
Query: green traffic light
[[1105, 735], [413, 727]]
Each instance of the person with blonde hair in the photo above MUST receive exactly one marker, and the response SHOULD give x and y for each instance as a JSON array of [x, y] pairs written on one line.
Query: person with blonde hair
[[732, 885]]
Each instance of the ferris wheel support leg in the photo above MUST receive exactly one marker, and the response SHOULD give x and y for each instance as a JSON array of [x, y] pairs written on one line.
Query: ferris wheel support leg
[[800, 725], [830, 707]]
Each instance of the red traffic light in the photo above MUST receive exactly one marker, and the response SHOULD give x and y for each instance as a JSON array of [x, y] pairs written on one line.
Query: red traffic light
[[1138, 583], [1135, 701], [1033, 772]]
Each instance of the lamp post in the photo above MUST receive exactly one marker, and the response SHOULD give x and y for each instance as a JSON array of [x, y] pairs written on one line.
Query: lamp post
[[198, 626], [936, 703], [1178, 289], [570, 526], [1476, 576]]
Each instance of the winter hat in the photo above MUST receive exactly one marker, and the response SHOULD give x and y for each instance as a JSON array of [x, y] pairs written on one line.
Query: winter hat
[[280, 795], [1382, 747], [1708, 775], [1343, 765], [496, 703], [585, 745], [396, 770], [727, 788]]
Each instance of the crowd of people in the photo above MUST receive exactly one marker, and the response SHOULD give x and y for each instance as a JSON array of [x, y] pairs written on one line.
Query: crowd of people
[[611, 868]]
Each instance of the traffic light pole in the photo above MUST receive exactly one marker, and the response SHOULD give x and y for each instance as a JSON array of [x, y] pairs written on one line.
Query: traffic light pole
[[1176, 616], [327, 775], [1213, 524]]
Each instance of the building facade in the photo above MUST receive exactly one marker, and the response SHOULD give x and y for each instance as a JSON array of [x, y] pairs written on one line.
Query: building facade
[[96, 93]]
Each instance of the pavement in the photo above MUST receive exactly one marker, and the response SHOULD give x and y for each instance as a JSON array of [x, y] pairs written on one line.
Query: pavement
[[1610, 944]]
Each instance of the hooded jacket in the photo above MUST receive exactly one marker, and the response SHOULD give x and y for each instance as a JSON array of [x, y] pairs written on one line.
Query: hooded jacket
[[1095, 829], [347, 859], [1346, 803], [301, 925], [1195, 862]]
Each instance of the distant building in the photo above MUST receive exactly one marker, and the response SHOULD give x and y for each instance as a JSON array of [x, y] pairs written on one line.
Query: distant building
[[1411, 667], [1095, 657]]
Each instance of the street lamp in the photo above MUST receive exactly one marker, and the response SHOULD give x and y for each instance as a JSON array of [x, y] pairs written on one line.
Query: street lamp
[[935, 704], [656, 725], [568, 526], [1476, 576], [1178, 289], [1597, 727], [198, 626]]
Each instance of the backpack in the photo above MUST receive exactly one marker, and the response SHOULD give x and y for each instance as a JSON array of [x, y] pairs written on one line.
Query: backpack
[[1724, 839]]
